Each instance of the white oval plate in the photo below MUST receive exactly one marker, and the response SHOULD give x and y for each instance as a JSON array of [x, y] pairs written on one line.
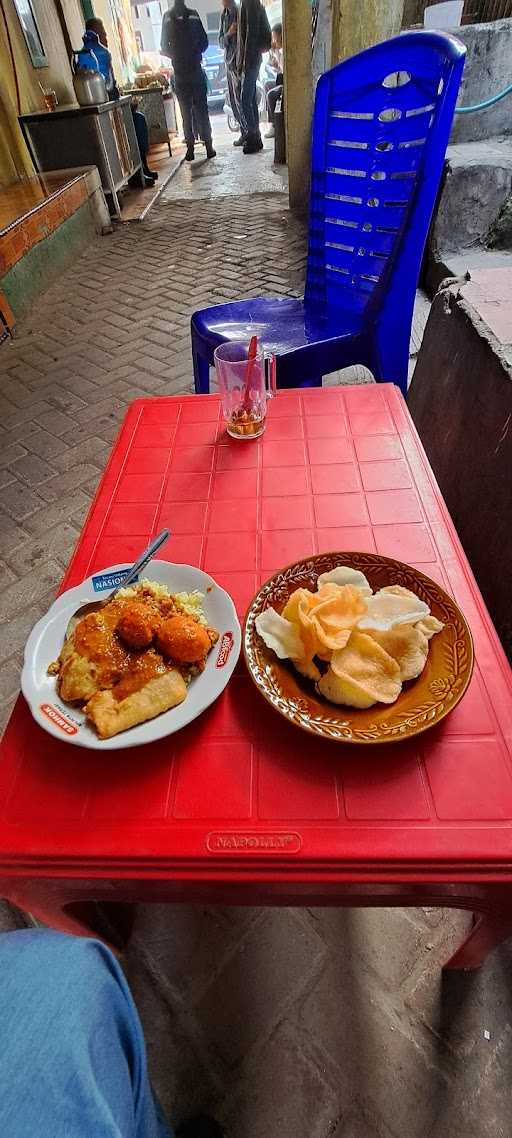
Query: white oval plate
[[66, 722]]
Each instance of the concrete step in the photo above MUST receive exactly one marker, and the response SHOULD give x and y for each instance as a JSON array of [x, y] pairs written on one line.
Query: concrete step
[[459, 399], [487, 152], [478, 181], [473, 259]]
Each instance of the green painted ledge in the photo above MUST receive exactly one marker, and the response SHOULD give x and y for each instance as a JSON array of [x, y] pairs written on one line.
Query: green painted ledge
[[41, 266]]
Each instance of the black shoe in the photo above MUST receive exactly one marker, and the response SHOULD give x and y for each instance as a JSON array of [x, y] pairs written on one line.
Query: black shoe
[[240, 141], [150, 174], [253, 144], [200, 1127], [210, 152], [189, 156], [149, 182]]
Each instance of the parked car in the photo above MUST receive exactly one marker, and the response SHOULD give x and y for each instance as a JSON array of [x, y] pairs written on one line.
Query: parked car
[[215, 71]]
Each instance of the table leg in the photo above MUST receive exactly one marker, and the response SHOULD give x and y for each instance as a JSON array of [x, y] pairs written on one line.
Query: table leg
[[108, 921], [104, 907], [115, 200], [489, 930], [50, 912]]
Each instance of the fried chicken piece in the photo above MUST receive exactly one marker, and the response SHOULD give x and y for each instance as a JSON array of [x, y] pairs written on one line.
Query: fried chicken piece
[[183, 640], [137, 625]]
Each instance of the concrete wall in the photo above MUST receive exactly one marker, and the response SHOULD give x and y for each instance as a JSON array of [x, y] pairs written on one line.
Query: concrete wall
[[14, 158], [474, 190], [45, 262], [117, 18], [147, 20], [461, 402], [58, 73], [74, 19], [488, 69]]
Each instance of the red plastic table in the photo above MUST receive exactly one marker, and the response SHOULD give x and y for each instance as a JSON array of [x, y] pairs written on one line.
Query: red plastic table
[[240, 807]]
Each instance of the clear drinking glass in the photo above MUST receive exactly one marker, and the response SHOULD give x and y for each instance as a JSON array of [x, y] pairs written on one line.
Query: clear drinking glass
[[244, 385], [51, 101]]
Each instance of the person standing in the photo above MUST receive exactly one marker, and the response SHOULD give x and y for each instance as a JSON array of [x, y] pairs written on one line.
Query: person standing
[[254, 37], [184, 40], [274, 91], [228, 32]]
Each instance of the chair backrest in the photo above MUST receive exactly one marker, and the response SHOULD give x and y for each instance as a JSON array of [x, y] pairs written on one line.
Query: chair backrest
[[381, 125]]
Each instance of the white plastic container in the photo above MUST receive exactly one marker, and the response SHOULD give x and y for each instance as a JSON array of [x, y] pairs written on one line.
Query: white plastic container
[[445, 15]]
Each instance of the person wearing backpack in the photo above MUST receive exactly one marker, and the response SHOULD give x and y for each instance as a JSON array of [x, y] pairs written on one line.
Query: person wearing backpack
[[254, 37]]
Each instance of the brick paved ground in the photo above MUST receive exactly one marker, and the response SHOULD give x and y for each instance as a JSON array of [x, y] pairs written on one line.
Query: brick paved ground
[[285, 1023]]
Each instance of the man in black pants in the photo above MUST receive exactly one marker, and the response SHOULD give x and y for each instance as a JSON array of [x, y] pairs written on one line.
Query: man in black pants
[[183, 41], [254, 37], [228, 32]]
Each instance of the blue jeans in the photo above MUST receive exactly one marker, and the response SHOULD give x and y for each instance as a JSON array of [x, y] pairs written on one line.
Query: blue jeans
[[249, 103], [142, 132], [234, 93], [73, 1052]]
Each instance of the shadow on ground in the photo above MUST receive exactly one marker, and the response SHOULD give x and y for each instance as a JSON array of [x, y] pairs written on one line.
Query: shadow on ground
[[324, 1022]]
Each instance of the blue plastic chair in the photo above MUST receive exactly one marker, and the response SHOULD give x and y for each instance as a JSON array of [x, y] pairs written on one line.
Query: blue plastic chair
[[381, 125]]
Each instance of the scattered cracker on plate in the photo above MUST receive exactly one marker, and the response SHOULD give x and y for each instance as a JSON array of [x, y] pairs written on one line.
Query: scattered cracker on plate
[[358, 646]]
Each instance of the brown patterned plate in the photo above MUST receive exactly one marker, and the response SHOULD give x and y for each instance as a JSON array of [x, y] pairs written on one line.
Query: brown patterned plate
[[422, 702]]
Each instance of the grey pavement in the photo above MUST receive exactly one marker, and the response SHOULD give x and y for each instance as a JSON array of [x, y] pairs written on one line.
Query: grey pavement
[[230, 172], [284, 1023]]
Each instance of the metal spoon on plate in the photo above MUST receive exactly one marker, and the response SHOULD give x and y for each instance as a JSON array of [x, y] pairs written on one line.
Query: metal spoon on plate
[[95, 606]]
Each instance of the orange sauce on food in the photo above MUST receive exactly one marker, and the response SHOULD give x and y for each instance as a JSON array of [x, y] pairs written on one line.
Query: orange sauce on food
[[143, 667], [95, 639], [118, 667]]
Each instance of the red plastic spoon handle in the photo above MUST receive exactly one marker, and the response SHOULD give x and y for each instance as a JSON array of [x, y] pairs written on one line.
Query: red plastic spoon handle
[[251, 356]]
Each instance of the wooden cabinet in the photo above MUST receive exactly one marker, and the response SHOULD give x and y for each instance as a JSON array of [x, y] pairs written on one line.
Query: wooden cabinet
[[102, 136]]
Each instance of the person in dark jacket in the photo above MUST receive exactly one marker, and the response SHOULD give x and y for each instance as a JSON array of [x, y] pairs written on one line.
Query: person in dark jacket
[[184, 40], [254, 37], [228, 32]]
